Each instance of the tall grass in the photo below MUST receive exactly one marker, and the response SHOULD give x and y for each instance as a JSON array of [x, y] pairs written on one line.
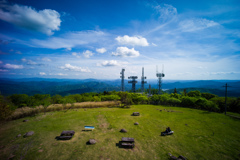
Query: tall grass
[[27, 111]]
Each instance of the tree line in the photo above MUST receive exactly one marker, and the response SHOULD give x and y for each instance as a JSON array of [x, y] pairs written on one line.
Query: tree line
[[193, 99]]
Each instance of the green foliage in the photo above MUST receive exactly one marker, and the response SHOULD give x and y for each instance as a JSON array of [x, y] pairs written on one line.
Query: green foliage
[[96, 99], [57, 99], [126, 99], [175, 91], [194, 93], [175, 95], [220, 102], [208, 95], [6, 108], [188, 102], [193, 99], [110, 97], [174, 101], [205, 104], [20, 100]]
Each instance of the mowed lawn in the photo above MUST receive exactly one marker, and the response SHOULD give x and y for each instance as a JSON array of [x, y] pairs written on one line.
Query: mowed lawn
[[197, 134]]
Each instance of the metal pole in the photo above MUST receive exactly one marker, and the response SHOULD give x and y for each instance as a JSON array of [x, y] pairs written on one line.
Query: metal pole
[[226, 99]]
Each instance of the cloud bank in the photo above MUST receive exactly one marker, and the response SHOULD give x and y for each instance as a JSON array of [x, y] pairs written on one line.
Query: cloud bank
[[125, 52], [45, 21], [135, 41], [13, 66], [69, 67]]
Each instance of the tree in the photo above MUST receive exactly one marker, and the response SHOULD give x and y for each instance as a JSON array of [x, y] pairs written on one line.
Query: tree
[[185, 92], [6, 108], [126, 99], [175, 91], [46, 102], [194, 93]]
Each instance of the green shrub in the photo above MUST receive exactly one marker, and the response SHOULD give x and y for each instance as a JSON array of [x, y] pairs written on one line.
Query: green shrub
[[110, 97], [6, 108], [208, 95], [188, 102], [194, 93], [174, 101]]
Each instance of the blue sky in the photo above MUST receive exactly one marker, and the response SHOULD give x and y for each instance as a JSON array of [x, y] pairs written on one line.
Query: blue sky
[[195, 40]]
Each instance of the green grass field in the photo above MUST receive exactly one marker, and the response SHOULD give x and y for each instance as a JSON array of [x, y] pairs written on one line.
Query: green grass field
[[197, 134]]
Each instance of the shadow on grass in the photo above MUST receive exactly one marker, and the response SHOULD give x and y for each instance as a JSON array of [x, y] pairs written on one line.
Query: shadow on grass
[[60, 139], [86, 130], [206, 112]]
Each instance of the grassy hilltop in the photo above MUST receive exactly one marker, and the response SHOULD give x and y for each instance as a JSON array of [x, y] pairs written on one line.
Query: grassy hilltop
[[197, 134]]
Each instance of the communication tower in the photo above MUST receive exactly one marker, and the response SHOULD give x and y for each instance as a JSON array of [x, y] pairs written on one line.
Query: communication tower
[[133, 81], [122, 82], [149, 94], [143, 78], [159, 76]]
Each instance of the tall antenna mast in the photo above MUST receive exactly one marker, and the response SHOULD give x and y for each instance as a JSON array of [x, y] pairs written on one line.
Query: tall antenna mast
[[133, 81], [143, 78], [122, 82], [159, 76]]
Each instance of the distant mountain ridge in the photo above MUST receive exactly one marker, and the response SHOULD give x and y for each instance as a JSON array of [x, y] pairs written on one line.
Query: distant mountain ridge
[[64, 87]]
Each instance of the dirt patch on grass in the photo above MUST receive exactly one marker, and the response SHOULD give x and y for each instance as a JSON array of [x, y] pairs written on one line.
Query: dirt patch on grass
[[102, 122]]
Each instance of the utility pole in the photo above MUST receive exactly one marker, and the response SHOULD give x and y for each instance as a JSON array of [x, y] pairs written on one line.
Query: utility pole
[[226, 98], [226, 86]]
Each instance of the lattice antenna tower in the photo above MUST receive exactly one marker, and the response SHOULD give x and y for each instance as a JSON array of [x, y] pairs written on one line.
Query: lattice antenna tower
[[159, 76], [122, 81], [143, 78], [133, 81]]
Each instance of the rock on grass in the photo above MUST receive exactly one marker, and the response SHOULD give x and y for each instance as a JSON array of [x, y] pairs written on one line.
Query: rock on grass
[[28, 134]]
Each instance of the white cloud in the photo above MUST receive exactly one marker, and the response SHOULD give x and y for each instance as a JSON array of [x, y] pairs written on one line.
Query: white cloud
[[68, 49], [76, 54], [109, 63], [71, 40], [74, 68], [166, 12], [87, 54], [192, 25], [29, 62], [137, 40], [46, 59], [125, 52], [42, 73], [45, 21], [58, 74], [18, 52], [154, 44], [13, 66], [101, 50], [3, 70], [1, 62]]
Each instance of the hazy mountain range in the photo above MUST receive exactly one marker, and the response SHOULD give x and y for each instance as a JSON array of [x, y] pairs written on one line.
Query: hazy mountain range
[[64, 87]]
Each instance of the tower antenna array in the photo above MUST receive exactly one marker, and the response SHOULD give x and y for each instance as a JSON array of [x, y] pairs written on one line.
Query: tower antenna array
[[159, 76], [143, 78], [133, 81], [122, 82]]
